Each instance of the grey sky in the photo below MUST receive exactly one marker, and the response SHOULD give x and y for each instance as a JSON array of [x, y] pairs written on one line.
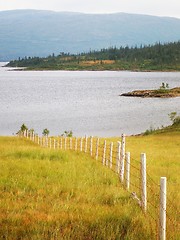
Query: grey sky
[[152, 7]]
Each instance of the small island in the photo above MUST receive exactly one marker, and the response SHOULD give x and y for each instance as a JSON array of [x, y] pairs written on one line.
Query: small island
[[162, 92]]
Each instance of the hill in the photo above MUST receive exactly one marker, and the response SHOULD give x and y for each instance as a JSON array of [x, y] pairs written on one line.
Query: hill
[[40, 33], [158, 57]]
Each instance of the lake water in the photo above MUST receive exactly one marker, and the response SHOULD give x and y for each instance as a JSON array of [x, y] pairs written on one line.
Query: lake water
[[84, 102]]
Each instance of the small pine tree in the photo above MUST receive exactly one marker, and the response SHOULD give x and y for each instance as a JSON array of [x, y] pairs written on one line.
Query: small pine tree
[[45, 132]]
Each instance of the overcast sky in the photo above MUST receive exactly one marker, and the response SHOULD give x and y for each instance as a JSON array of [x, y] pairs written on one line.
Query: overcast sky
[[169, 8]]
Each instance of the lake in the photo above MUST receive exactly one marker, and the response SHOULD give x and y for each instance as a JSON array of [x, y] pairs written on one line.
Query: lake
[[86, 102]]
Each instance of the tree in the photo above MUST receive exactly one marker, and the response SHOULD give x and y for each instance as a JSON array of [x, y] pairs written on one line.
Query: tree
[[23, 128], [174, 118], [45, 132], [67, 134]]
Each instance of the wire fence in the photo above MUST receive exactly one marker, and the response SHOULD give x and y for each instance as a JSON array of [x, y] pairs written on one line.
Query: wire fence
[[163, 214]]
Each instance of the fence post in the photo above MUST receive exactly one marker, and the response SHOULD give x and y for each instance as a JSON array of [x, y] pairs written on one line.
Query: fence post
[[97, 148], [127, 170], [50, 142], [104, 153], [65, 143], [143, 182], [61, 143], [33, 136], [85, 146], [70, 143], [38, 139], [111, 154], [118, 157], [122, 158], [162, 230], [46, 141], [91, 145], [76, 143], [81, 144]]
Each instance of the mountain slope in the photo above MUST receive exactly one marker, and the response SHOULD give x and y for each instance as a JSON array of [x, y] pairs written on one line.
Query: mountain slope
[[39, 33]]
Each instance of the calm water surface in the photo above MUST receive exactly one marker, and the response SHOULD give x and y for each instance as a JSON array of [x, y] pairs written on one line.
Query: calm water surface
[[84, 102]]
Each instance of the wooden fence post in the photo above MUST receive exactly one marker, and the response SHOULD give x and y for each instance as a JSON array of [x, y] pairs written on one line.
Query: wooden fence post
[[70, 143], [127, 170], [162, 227], [81, 144], [110, 155], [65, 140], [85, 146], [91, 145], [47, 141], [61, 143], [50, 142], [38, 139], [118, 157], [122, 158], [54, 144], [143, 182], [104, 153], [97, 148], [76, 143]]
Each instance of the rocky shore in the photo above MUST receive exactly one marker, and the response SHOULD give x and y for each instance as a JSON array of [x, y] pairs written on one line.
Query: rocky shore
[[159, 93]]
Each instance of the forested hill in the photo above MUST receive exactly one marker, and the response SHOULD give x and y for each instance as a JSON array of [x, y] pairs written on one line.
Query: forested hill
[[160, 57]]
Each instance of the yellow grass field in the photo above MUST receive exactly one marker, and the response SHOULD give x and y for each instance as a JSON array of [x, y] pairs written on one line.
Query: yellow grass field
[[57, 194]]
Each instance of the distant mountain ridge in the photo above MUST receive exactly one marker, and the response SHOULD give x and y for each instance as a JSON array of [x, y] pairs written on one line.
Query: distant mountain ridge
[[39, 33]]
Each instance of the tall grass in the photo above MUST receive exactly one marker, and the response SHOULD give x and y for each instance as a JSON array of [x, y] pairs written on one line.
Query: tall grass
[[51, 194]]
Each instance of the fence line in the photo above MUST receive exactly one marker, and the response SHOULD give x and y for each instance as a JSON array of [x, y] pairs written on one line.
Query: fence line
[[132, 174]]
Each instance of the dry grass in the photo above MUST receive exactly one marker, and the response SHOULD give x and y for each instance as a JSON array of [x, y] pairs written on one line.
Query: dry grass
[[53, 194]]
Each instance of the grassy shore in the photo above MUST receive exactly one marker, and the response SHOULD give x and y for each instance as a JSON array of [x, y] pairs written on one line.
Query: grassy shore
[[53, 194]]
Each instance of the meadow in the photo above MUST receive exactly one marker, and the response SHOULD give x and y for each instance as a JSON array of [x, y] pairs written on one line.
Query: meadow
[[58, 194]]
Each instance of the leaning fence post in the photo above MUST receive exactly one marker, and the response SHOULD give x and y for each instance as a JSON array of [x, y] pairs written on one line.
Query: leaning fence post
[[162, 230], [122, 158], [104, 153], [111, 154], [118, 157], [143, 182], [97, 148], [127, 170]]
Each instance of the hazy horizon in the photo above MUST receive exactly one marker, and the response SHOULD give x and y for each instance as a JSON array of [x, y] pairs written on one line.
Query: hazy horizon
[[159, 8]]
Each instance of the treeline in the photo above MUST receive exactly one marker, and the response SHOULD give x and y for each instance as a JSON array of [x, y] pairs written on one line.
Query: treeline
[[148, 57]]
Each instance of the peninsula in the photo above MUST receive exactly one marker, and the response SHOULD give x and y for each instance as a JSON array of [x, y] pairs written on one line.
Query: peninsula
[[159, 93]]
